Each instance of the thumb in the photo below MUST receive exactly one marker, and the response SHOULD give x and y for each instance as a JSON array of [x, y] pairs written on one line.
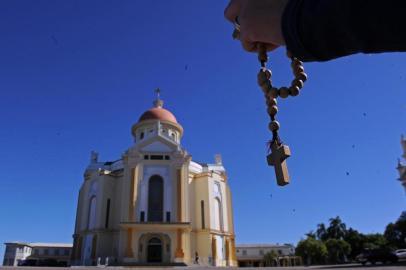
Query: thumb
[[232, 10]]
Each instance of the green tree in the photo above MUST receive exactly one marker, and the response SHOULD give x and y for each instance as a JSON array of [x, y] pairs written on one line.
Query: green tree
[[271, 258], [311, 234], [336, 229], [312, 251], [375, 240], [356, 241], [321, 232], [338, 250], [395, 233]]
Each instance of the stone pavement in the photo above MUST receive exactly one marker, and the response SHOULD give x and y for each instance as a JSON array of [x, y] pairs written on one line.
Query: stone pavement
[[399, 266]]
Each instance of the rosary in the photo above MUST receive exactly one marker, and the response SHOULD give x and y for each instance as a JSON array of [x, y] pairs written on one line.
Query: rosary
[[279, 152]]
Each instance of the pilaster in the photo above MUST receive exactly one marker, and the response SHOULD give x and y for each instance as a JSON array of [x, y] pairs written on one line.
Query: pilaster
[[179, 250], [214, 249]]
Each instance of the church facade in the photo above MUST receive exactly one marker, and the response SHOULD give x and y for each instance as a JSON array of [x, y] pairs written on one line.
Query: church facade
[[154, 205]]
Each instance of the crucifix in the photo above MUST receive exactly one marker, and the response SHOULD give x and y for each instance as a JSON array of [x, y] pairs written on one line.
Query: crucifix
[[277, 159], [279, 152]]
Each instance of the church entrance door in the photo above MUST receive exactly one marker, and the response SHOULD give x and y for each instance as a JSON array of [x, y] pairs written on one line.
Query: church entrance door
[[154, 250]]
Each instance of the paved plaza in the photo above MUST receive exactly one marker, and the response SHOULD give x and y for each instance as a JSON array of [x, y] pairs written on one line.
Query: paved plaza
[[399, 266]]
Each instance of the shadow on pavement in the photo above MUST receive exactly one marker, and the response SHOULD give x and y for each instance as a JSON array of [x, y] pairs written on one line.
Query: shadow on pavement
[[344, 266]]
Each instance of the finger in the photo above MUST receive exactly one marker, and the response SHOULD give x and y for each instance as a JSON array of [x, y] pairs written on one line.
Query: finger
[[271, 47], [232, 10], [248, 45]]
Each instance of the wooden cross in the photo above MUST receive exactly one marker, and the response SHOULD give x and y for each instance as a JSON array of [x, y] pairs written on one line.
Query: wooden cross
[[277, 158]]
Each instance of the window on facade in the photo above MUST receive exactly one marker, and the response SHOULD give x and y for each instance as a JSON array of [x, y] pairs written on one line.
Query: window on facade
[[202, 214], [167, 158], [146, 157], [142, 216], [106, 225], [57, 252], [261, 252], [157, 157], [141, 135], [91, 221], [46, 251], [168, 216], [66, 252], [217, 215], [155, 198], [244, 252]]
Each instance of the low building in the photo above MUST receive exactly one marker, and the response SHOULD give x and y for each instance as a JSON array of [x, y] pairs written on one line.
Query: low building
[[252, 255], [17, 252]]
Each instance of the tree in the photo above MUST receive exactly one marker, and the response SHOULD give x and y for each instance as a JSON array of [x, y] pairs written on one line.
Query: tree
[[356, 241], [375, 240], [336, 229], [271, 258], [321, 232], [338, 250], [312, 251], [395, 233], [311, 234]]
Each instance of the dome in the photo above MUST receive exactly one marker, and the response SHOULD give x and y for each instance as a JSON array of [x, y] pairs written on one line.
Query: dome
[[158, 113]]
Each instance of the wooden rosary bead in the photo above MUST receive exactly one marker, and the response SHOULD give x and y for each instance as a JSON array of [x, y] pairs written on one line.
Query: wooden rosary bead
[[302, 76], [264, 76], [272, 110], [298, 83], [296, 62], [283, 92], [266, 87], [297, 70], [268, 73], [274, 125], [271, 102], [272, 93], [294, 91]]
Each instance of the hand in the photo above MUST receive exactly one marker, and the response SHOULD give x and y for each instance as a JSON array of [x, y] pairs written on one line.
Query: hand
[[260, 22]]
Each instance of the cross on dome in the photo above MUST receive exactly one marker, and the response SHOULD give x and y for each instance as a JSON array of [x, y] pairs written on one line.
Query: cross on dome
[[157, 112], [158, 102]]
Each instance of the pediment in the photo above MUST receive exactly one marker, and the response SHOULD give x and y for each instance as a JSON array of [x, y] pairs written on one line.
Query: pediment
[[156, 147], [157, 144]]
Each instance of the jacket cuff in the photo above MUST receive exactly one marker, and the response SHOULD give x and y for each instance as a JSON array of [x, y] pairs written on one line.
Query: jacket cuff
[[291, 31]]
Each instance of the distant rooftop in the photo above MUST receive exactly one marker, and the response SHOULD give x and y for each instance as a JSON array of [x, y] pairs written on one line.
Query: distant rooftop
[[262, 245]]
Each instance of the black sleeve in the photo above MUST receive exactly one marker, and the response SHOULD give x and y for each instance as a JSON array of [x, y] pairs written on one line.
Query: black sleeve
[[321, 30]]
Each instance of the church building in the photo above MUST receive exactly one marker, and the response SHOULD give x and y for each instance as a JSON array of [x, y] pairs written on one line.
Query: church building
[[401, 167], [154, 205]]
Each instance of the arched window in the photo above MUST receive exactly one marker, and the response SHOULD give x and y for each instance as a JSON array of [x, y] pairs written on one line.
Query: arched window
[[217, 215], [155, 198], [91, 220]]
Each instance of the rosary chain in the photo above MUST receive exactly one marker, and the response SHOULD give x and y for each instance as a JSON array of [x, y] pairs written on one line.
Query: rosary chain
[[272, 93]]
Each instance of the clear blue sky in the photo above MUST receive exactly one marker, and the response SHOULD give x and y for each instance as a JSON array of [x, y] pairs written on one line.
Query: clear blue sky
[[75, 75]]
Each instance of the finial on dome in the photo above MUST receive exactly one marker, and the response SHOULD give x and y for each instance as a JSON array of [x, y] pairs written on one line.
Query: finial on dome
[[158, 103]]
